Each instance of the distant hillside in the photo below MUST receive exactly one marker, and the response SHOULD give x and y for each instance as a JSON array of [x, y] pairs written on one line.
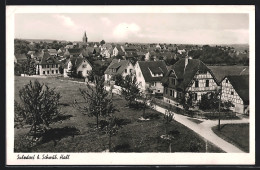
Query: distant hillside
[[238, 47], [43, 40]]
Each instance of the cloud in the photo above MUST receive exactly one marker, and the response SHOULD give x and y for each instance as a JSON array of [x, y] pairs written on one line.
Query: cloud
[[67, 21], [123, 30], [105, 20]]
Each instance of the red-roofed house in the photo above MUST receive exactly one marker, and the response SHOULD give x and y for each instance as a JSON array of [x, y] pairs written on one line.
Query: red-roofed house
[[149, 75]]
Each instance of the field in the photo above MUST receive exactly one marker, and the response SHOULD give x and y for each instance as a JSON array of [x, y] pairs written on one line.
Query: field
[[237, 134], [75, 132]]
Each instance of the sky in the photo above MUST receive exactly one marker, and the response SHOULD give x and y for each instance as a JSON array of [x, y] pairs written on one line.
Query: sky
[[175, 28]]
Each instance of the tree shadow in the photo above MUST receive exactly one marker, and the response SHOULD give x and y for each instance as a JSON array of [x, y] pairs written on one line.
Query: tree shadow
[[56, 134], [64, 104], [61, 117]]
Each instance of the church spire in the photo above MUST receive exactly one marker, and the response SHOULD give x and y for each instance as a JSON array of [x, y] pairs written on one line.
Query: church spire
[[85, 38]]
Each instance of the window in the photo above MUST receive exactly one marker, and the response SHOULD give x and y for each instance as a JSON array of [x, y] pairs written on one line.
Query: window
[[52, 71], [48, 72], [57, 71], [207, 83], [43, 66], [166, 90], [197, 83], [174, 81], [195, 96], [43, 72], [158, 90], [56, 65], [130, 70], [47, 66], [170, 92], [226, 80], [232, 93], [125, 70]]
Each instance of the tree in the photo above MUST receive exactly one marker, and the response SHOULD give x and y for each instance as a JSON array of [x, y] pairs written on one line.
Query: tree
[[61, 69], [29, 66], [210, 101], [38, 107], [118, 78], [97, 100], [111, 126], [168, 117], [130, 90], [146, 100], [102, 42], [186, 101]]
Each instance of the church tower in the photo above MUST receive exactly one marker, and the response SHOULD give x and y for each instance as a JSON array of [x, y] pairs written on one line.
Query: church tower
[[85, 38]]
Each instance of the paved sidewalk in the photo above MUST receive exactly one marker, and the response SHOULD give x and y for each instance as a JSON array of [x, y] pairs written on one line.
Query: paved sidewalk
[[204, 130]]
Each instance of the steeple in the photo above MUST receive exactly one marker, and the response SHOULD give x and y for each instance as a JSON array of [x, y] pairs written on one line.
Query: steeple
[[85, 38]]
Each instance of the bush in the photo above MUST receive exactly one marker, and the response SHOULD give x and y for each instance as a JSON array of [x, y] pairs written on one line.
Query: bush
[[195, 146]]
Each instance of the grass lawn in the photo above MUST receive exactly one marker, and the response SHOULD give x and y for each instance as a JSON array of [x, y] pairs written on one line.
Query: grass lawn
[[237, 134], [74, 132]]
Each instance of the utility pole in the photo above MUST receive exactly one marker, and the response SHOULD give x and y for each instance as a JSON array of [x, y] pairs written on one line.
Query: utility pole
[[219, 105]]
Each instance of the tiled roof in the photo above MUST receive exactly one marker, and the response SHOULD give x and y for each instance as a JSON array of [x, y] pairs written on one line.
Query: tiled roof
[[75, 51], [241, 84], [120, 65], [20, 56], [48, 59], [76, 61], [185, 75], [153, 66], [222, 71], [52, 50]]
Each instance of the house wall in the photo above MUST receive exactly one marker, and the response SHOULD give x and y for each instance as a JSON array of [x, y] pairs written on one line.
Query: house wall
[[202, 89], [52, 70], [85, 68], [227, 95], [115, 52], [130, 69], [157, 87], [139, 77]]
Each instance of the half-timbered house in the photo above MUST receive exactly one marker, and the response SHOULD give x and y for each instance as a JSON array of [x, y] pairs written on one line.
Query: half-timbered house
[[188, 76], [236, 89]]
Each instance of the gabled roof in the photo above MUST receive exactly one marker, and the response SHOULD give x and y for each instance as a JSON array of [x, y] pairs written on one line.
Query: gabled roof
[[241, 84], [52, 50], [153, 66], [222, 71], [181, 47], [120, 65], [20, 57], [31, 52], [75, 51], [185, 75], [76, 61], [48, 59]]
